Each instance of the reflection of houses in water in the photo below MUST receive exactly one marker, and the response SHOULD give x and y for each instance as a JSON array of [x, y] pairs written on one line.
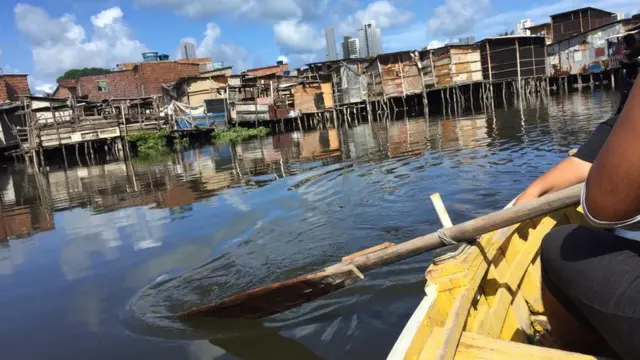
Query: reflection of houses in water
[[21, 216], [466, 132], [320, 144], [21, 213]]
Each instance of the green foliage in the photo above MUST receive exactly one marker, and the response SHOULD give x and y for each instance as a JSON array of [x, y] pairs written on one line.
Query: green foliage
[[149, 143], [239, 134], [76, 73], [506, 33], [179, 141]]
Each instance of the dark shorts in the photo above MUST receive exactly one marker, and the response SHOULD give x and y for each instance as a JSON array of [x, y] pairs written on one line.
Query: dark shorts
[[595, 275]]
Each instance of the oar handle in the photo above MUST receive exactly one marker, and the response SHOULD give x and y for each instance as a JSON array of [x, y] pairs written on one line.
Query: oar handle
[[469, 229]]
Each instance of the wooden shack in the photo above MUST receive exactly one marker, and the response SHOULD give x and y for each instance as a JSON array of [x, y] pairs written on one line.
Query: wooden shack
[[312, 97], [197, 89], [451, 65], [569, 23], [516, 57], [349, 83], [394, 75]]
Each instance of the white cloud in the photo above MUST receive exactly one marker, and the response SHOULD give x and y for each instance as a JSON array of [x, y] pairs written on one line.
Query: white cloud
[[383, 12], [456, 17], [230, 54], [59, 44], [271, 10], [107, 17], [297, 37], [41, 88], [434, 44]]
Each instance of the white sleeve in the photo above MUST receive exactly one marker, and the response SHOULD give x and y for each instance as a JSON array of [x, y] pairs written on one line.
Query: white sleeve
[[603, 224]]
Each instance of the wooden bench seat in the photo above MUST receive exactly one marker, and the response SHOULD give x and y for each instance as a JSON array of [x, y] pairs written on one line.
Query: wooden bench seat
[[477, 347]]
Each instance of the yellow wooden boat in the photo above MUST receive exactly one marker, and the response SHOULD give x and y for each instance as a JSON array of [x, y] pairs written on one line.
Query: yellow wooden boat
[[485, 303]]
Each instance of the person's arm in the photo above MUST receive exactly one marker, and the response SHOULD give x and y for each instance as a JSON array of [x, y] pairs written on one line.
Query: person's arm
[[568, 172], [612, 190]]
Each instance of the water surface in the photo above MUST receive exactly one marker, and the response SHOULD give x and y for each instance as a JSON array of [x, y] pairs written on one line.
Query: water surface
[[77, 246]]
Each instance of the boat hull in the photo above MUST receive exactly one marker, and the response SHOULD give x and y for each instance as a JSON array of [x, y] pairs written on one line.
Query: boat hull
[[489, 295]]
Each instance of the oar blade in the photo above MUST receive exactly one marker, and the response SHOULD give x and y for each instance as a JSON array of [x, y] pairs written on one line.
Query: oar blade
[[277, 297]]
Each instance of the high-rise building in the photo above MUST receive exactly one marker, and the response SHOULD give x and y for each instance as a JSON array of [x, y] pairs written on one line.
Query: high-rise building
[[346, 51], [188, 50], [370, 40], [354, 48], [332, 50], [522, 28]]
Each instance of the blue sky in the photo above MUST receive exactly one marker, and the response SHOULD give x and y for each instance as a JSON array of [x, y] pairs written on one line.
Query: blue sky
[[46, 37]]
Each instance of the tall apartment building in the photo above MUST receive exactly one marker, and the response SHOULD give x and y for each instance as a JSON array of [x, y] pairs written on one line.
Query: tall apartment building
[[354, 48], [370, 40], [350, 48], [332, 50], [187, 50]]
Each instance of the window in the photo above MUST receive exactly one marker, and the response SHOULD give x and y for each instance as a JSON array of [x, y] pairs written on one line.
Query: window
[[102, 86]]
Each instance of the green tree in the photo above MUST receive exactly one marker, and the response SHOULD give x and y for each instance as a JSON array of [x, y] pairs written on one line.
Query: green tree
[[506, 33], [76, 73]]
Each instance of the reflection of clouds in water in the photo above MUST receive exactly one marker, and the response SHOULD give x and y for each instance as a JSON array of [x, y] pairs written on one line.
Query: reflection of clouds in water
[[236, 201], [86, 306], [203, 350], [90, 233], [13, 255], [186, 256]]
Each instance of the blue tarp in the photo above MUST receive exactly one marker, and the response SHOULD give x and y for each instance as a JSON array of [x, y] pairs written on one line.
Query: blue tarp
[[203, 121]]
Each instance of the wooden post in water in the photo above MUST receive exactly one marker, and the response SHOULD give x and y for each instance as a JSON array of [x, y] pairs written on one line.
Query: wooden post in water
[[449, 101], [455, 101], [504, 94], [473, 111]]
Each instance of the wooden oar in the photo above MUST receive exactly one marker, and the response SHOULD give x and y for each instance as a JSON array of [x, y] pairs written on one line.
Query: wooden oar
[[285, 295]]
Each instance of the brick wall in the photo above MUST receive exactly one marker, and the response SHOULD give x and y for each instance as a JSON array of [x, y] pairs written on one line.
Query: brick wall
[[275, 69], [3, 91], [154, 74], [62, 92], [145, 79], [13, 87], [128, 66], [120, 84]]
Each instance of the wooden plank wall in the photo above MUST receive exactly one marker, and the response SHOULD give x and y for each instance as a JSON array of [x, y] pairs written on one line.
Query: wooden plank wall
[[311, 98], [400, 75]]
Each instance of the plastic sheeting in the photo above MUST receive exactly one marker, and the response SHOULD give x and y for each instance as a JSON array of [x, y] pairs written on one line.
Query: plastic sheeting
[[195, 116]]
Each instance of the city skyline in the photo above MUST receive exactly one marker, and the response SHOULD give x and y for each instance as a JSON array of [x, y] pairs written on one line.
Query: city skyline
[[45, 39]]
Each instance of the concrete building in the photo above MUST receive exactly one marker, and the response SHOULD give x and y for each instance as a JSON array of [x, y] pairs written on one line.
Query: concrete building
[[346, 52], [143, 79], [187, 50], [332, 50], [370, 40], [522, 27], [354, 48]]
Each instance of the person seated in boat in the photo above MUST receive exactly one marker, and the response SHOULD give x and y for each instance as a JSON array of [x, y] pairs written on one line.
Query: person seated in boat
[[573, 169], [591, 275]]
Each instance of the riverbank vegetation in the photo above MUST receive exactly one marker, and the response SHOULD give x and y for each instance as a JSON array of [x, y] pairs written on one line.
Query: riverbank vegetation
[[150, 143], [239, 134]]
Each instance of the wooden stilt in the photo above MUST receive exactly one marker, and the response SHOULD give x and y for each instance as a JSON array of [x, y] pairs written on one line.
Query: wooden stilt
[[504, 95], [473, 111]]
